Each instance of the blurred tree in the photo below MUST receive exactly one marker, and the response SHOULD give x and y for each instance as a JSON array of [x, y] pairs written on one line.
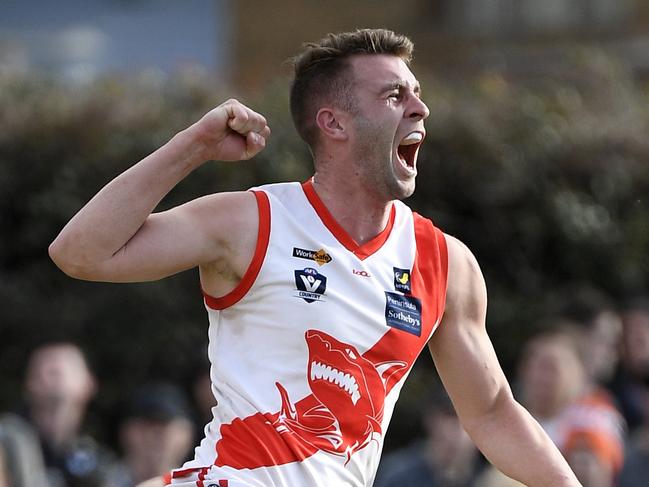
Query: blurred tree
[[547, 183]]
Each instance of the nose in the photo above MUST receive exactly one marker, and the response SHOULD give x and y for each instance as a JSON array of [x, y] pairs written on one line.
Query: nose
[[417, 109]]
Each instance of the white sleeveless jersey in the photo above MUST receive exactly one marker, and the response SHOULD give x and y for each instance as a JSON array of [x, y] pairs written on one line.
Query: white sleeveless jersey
[[308, 354]]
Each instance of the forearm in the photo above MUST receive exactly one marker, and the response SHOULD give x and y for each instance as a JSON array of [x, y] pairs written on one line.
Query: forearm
[[515, 444], [111, 218]]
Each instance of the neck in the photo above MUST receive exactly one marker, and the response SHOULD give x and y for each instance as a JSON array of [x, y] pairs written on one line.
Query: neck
[[57, 424], [145, 467], [357, 210]]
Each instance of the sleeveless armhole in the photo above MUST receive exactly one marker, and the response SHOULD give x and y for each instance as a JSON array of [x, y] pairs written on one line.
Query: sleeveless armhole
[[431, 265], [248, 279]]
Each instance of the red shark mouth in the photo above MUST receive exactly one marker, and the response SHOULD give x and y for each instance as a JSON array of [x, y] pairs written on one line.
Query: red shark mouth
[[344, 381], [342, 415], [348, 392]]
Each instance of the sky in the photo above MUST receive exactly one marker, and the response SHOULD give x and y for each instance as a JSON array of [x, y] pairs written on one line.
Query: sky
[[80, 39]]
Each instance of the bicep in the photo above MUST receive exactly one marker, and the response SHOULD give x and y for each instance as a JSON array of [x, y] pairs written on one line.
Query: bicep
[[204, 230], [462, 351]]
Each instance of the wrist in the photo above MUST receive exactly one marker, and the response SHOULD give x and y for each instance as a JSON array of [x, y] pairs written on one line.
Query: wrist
[[192, 146]]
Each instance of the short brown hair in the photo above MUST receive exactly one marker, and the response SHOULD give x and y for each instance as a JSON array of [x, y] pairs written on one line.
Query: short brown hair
[[321, 73]]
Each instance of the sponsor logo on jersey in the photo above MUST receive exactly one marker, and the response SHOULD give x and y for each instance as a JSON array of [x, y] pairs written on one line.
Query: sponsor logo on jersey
[[310, 284], [403, 312], [402, 280], [320, 257], [361, 273]]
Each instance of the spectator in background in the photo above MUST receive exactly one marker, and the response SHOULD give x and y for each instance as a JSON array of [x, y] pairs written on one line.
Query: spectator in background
[[635, 472], [579, 416], [202, 397], [593, 456], [445, 458], [632, 380], [597, 315], [21, 460], [632, 389], [156, 435], [58, 388]]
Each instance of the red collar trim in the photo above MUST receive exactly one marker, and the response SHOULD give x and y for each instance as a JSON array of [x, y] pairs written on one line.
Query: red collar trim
[[360, 251]]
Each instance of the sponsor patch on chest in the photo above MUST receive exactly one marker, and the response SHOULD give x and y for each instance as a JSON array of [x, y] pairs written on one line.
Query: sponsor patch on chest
[[402, 280], [310, 284], [403, 312], [320, 257]]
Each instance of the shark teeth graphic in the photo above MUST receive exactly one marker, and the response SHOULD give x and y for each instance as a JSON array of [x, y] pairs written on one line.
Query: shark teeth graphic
[[345, 381]]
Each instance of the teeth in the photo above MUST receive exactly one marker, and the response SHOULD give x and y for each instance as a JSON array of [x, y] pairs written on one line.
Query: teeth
[[345, 381], [412, 138]]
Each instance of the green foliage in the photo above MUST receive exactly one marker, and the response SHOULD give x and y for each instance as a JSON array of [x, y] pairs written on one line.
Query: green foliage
[[546, 181]]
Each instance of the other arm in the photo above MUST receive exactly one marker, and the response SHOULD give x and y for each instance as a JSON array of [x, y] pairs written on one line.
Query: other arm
[[465, 359], [115, 237]]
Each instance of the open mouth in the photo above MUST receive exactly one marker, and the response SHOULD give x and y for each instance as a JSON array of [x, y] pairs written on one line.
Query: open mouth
[[407, 149], [344, 381]]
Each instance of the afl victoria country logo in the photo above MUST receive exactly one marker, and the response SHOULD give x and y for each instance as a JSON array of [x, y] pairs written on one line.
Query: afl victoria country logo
[[310, 284]]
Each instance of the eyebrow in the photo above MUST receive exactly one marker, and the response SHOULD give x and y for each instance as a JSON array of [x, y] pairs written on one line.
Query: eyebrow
[[400, 85]]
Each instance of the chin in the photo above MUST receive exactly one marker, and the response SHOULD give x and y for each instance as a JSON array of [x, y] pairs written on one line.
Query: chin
[[401, 190]]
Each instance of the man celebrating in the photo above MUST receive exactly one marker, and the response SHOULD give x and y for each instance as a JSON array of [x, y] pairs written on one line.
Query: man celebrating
[[320, 295]]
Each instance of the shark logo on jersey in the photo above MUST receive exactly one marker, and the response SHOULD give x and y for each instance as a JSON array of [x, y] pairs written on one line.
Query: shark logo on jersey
[[343, 412], [310, 284], [350, 392]]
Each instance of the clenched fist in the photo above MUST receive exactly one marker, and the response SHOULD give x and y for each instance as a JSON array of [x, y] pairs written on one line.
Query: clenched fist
[[231, 132]]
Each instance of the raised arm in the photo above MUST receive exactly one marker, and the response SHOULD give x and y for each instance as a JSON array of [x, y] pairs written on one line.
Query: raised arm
[[115, 237], [465, 359]]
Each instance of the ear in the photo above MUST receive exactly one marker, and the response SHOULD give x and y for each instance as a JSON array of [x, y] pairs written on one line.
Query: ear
[[331, 125]]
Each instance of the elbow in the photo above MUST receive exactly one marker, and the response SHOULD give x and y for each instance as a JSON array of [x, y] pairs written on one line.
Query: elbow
[[68, 261], [494, 411]]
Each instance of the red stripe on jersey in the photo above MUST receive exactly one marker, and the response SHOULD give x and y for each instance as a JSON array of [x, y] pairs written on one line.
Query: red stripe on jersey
[[429, 277], [201, 477], [252, 272], [430, 270], [177, 474], [361, 251], [306, 426]]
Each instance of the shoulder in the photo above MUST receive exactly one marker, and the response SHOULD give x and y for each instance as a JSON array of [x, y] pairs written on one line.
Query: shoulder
[[225, 215], [464, 264], [466, 291], [233, 204]]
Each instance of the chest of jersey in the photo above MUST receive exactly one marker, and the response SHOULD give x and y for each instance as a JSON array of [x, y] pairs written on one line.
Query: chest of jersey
[[309, 359]]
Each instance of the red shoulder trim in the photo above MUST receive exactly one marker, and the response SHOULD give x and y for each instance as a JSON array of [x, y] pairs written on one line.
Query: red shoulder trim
[[430, 269], [252, 272], [360, 251]]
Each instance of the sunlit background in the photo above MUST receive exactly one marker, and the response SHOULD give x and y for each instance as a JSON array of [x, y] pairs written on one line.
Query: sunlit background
[[537, 156]]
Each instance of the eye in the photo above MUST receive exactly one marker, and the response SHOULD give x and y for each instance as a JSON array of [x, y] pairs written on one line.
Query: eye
[[350, 353]]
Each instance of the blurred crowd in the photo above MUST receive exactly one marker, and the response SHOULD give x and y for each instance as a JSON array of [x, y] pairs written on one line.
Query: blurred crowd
[[45, 441], [584, 375]]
